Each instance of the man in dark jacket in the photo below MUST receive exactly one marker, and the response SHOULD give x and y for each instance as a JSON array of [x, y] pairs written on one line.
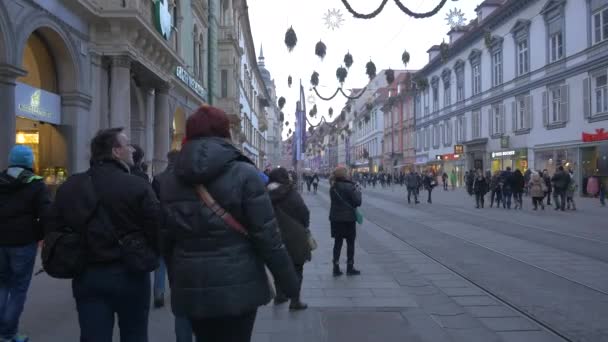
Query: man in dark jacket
[[345, 198], [183, 328], [480, 188], [560, 181], [411, 182], [218, 279], [24, 201], [108, 203], [139, 168], [547, 179], [507, 188]]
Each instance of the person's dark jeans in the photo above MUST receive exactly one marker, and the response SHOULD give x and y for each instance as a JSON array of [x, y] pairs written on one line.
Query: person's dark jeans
[[308, 186], [548, 195], [350, 249], [411, 191], [496, 194], [224, 329], [104, 291], [183, 330], [538, 201], [300, 272], [430, 199], [159, 280], [506, 199], [559, 196], [518, 197], [315, 187], [16, 267], [479, 199]]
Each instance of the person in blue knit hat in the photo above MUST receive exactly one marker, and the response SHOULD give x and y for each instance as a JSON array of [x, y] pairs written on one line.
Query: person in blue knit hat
[[24, 202]]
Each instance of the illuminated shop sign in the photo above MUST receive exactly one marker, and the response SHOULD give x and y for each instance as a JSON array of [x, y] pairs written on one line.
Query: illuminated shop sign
[[37, 104], [503, 154], [191, 82]]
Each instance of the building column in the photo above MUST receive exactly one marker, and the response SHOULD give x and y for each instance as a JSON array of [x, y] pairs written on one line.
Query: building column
[[212, 44], [162, 129], [75, 108], [149, 126], [8, 128], [120, 92]]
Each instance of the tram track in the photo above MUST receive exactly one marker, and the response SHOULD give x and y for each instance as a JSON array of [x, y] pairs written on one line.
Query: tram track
[[380, 217]]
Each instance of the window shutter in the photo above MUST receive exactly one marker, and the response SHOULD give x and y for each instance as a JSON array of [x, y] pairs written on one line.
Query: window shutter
[[564, 109], [490, 122], [545, 108], [528, 122], [587, 97], [514, 115]]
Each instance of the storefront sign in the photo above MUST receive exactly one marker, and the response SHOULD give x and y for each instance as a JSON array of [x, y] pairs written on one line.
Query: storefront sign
[[449, 156], [458, 149], [37, 104], [503, 154], [163, 18], [504, 141], [191, 82], [599, 135], [422, 159]]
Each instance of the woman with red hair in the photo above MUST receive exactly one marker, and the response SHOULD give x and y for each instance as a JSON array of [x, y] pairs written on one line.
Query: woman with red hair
[[217, 272]]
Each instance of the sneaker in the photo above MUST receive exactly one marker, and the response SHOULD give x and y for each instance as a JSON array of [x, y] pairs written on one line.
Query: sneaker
[[20, 338]]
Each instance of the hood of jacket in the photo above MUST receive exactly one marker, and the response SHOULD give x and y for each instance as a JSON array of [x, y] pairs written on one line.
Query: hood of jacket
[[203, 160], [278, 191], [15, 178]]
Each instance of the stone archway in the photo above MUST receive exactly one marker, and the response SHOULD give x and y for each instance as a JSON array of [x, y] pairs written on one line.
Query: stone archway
[[6, 36]]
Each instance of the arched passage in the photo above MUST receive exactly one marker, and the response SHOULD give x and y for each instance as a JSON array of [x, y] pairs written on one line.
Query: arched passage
[[5, 36]]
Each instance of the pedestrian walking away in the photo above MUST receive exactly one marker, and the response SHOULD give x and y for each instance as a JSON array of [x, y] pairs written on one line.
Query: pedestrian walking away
[[221, 234], [518, 184], [411, 182], [109, 204], [538, 188], [570, 191], [293, 218], [345, 198], [480, 188], [183, 328], [561, 181], [496, 185], [429, 183], [24, 203]]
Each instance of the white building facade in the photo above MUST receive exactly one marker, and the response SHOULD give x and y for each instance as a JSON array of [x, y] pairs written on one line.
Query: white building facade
[[524, 86]]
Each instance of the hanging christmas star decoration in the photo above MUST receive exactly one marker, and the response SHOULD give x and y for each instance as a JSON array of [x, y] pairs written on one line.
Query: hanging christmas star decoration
[[333, 19], [455, 18], [311, 99]]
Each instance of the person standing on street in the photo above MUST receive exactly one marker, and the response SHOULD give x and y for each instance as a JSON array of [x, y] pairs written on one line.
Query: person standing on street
[[345, 199], [518, 184], [115, 204], [315, 183], [293, 218], [507, 188], [496, 189], [220, 234], [480, 188], [183, 329], [429, 183], [24, 203], [453, 179], [572, 187], [444, 179], [411, 182], [545, 176], [537, 190], [560, 181]]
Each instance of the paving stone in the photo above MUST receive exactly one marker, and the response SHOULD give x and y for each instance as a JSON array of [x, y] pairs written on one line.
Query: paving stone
[[491, 311], [391, 292], [451, 283], [528, 336], [398, 302], [473, 335], [348, 292], [328, 302], [474, 300], [458, 321], [462, 291], [508, 324], [363, 327]]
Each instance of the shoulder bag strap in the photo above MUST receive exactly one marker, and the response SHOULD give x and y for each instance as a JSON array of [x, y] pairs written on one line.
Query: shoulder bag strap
[[103, 213], [343, 200], [210, 203]]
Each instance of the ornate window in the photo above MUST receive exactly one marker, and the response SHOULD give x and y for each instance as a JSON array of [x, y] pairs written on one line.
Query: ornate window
[[521, 110], [521, 37], [475, 60], [435, 90], [459, 69], [476, 124], [555, 106], [553, 11], [446, 76], [496, 120]]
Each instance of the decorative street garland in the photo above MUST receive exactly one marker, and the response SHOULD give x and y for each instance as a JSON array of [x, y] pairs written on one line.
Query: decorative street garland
[[314, 79], [320, 49], [330, 112], [291, 39], [405, 58], [390, 76], [289, 80], [401, 7], [281, 102], [370, 69], [348, 60], [341, 74]]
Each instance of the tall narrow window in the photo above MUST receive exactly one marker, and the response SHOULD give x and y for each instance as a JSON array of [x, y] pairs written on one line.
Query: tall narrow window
[[556, 47], [600, 84], [224, 82], [600, 26], [476, 79], [522, 57], [497, 68]]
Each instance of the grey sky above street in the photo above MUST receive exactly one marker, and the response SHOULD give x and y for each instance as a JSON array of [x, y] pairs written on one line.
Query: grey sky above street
[[382, 39]]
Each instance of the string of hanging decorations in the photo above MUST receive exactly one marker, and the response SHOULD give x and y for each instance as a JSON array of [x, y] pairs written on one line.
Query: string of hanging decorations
[[399, 4]]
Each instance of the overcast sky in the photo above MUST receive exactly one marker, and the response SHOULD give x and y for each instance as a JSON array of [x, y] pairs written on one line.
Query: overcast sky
[[382, 39]]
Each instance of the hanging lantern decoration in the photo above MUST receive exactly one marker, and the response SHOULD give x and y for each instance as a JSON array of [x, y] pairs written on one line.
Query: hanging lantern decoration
[[289, 81], [289, 132], [390, 76], [370, 69], [281, 102], [405, 58], [369, 106], [314, 109], [341, 74], [330, 112], [281, 117], [310, 130], [348, 60], [291, 39], [314, 79], [320, 49], [286, 123]]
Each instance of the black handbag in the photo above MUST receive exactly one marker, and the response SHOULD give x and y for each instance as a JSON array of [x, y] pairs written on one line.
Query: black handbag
[[135, 251]]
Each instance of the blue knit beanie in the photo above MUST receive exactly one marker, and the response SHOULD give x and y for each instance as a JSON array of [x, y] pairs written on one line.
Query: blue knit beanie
[[21, 155]]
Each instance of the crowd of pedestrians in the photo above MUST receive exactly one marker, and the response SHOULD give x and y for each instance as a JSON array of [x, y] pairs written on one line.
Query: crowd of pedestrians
[[212, 223]]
